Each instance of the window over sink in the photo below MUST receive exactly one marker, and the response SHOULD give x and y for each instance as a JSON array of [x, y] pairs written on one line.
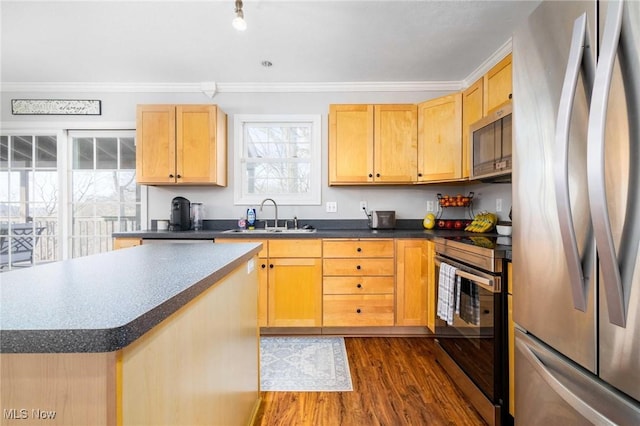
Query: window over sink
[[279, 157]]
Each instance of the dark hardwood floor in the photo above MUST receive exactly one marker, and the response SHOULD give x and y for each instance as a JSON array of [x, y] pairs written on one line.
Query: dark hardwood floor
[[396, 382]]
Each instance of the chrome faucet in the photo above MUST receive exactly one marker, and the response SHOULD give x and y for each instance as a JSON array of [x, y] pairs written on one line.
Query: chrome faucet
[[275, 225]]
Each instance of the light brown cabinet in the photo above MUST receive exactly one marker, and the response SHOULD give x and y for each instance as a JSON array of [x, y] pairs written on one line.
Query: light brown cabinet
[[290, 282], [497, 85], [440, 155], [358, 282], [120, 243], [372, 144], [472, 111], [295, 283], [412, 279], [511, 341], [181, 145]]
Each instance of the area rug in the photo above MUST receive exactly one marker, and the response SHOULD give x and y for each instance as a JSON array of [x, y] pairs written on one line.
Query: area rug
[[304, 364]]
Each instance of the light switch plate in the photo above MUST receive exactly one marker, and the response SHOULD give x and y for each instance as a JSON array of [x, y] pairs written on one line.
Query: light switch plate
[[332, 207]]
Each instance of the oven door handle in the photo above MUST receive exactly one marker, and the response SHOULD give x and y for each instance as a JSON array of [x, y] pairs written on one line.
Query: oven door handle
[[485, 283]]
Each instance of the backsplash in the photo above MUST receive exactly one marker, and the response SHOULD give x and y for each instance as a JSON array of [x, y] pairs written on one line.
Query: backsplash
[[409, 202]]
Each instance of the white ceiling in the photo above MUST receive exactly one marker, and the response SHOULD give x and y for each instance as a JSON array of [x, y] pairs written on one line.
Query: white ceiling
[[182, 42]]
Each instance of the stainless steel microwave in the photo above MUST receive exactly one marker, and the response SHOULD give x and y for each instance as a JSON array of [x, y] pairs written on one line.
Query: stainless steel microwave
[[491, 157]]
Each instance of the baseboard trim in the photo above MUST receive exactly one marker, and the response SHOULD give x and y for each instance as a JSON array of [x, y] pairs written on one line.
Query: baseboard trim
[[348, 331]]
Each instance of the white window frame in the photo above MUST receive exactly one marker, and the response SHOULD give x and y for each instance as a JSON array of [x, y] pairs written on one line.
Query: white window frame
[[64, 155], [35, 131], [69, 135], [314, 195]]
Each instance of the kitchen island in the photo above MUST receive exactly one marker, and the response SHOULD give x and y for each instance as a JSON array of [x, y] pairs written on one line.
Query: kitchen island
[[157, 334]]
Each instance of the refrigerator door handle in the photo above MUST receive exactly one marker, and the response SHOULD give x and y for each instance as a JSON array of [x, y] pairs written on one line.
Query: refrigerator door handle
[[595, 165], [557, 376], [578, 276]]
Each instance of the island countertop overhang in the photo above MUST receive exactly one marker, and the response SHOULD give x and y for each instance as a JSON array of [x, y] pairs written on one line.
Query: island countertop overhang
[[102, 303]]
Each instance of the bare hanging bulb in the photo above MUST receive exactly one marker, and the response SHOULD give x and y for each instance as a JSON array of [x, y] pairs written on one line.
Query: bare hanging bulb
[[238, 22]]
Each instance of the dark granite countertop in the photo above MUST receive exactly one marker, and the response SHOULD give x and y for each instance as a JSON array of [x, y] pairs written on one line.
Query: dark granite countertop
[[102, 303], [325, 228], [349, 228]]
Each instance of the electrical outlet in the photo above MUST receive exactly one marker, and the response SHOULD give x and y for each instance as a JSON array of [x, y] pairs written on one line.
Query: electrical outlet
[[363, 205], [498, 204], [430, 206], [332, 207]]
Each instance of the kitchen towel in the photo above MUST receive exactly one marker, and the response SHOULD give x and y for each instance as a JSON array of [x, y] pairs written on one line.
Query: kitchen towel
[[448, 283], [470, 304]]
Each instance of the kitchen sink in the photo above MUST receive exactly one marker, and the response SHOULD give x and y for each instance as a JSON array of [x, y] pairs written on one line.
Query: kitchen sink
[[270, 231]]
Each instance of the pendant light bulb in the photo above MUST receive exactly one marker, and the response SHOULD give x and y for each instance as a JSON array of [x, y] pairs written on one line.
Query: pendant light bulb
[[238, 22]]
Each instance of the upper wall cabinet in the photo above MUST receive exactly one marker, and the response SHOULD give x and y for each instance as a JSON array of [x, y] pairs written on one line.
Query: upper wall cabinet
[[472, 111], [181, 145], [440, 139], [497, 85], [481, 98], [372, 144]]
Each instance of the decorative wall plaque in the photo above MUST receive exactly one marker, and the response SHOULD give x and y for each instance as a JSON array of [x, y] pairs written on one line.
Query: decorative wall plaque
[[55, 107]]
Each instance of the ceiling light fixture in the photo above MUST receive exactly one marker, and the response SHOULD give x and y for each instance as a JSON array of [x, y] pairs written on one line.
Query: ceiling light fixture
[[238, 22]]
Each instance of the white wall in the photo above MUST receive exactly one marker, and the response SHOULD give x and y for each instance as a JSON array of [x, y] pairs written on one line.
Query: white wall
[[118, 111]]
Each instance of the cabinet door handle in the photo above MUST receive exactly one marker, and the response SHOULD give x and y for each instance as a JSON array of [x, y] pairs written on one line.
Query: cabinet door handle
[[263, 266], [178, 176], [359, 286], [419, 174], [377, 174], [358, 311], [359, 249], [358, 267], [271, 266], [370, 175], [171, 176]]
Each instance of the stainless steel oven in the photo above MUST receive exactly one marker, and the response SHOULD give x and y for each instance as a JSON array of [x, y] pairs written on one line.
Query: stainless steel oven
[[472, 346]]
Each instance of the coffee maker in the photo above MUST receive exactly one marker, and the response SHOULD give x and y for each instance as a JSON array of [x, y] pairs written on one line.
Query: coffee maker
[[180, 218]]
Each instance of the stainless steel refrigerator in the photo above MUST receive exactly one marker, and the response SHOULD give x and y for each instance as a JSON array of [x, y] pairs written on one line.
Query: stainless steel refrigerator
[[576, 214]]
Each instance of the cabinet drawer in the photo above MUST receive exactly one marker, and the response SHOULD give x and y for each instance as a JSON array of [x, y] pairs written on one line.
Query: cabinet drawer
[[358, 285], [355, 310], [359, 267], [357, 248], [295, 248]]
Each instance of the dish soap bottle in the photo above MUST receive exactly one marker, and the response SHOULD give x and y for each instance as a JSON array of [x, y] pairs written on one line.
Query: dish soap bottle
[[251, 218]]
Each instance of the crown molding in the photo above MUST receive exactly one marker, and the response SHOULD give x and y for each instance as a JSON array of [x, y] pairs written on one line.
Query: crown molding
[[380, 86], [498, 55], [213, 88]]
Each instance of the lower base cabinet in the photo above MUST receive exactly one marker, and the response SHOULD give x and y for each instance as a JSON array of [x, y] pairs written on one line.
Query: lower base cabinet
[[512, 341], [290, 281], [358, 283], [412, 282], [354, 310], [345, 282], [295, 292], [120, 243]]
